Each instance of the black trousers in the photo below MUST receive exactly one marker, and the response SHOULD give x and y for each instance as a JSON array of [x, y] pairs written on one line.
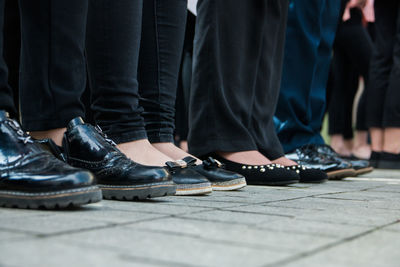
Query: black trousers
[[6, 93], [383, 95], [238, 52], [352, 53], [133, 54]]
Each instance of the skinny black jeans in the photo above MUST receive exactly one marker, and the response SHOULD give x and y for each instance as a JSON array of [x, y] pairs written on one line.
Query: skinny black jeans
[[133, 52], [238, 56], [6, 94], [383, 95]]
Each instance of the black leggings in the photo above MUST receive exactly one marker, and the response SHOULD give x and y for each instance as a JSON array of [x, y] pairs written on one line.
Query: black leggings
[[352, 53]]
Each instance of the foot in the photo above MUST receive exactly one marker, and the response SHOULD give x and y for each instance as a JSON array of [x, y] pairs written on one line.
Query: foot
[[341, 146], [33, 178], [118, 176], [172, 151], [362, 152], [251, 157], [142, 152], [55, 134], [284, 161]]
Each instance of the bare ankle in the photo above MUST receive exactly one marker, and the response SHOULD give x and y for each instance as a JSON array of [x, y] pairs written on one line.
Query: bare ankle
[[55, 134]]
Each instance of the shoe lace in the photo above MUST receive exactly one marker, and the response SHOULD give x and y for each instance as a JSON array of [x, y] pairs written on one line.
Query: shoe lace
[[21, 135], [108, 140]]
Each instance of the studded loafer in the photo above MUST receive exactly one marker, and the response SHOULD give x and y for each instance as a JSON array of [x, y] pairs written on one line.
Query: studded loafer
[[270, 174], [31, 177], [309, 175], [220, 178], [188, 181], [118, 177]]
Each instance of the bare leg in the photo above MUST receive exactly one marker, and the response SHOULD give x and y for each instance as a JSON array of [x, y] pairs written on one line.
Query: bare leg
[[376, 139], [55, 134], [361, 148], [341, 146], [391, 140]]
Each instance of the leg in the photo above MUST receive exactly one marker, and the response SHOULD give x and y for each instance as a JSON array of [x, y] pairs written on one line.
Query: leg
[[160, 57], [113, 42], [53, 72], [6, 96], [380, 68], [222, 93], [293, 113]]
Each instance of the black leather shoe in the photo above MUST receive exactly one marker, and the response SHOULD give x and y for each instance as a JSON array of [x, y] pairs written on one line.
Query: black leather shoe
[[309, 175], [389, 161], [360, 166], [270, 174], [310, 157], [213, 170], [118, 177], [188, 181], [31, 177]]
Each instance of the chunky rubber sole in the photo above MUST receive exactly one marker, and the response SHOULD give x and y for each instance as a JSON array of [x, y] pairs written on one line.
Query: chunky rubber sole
[[50, 200], [341, 174], [138, 192], [193, 189], [231, 185]]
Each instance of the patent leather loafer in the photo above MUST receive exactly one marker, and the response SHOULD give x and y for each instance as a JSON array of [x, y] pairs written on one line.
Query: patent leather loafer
[[360, 166], [270, 174], [119, 177], [31, 177], [309, 175], [188, 181], [310, 157], [220, 178]]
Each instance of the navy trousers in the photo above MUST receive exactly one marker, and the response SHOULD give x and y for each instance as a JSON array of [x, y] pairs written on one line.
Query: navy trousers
[[310, 34]]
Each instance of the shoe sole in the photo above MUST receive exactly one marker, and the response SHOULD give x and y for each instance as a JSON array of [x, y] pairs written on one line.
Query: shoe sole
[[51, 200], [341, 174], [313, 182], [364, 170], [193, 189], [138, 192], [279, 183], [235, 184]]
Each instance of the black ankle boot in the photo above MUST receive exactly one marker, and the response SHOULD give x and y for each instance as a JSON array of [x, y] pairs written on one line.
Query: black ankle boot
[[119, 177], [31, 177]]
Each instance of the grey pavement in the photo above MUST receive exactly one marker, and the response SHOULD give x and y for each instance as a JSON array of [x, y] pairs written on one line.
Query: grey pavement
[[354, 222]]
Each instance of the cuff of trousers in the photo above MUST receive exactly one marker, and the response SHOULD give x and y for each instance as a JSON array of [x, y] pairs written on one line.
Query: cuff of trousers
[[128, 137], [208, 146], [391, 123], [161, 138], [62, 121]]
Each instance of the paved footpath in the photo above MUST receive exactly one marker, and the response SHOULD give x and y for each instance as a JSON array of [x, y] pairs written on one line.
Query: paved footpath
[[354, 222]]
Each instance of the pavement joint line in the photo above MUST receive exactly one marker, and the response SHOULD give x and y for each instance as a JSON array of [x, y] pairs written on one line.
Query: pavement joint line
[[259, 213], [345, 240], [215, 241], [339, 198], [144, 260]]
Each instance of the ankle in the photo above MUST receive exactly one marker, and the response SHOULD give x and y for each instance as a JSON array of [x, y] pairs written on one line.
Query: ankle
[[55, 134]]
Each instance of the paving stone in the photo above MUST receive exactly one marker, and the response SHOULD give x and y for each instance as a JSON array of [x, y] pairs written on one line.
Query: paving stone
[[182, 249], [378, 249], [50, 252], [8, 236], [239, 235]]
